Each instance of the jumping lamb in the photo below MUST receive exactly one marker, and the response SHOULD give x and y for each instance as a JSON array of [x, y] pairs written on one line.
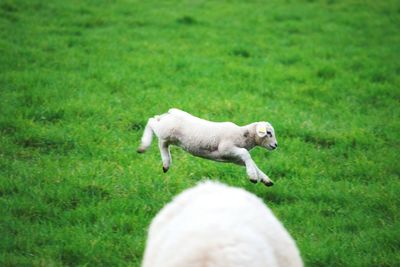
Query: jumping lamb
[[219, 141], [213, 225]]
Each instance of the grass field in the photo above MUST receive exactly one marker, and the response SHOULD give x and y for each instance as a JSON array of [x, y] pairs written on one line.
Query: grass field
[[78, 80]]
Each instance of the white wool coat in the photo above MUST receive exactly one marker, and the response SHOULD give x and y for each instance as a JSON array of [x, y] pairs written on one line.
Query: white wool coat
[[219, 141], [213, 225]]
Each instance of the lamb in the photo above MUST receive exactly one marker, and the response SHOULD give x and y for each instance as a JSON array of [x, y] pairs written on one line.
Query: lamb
[[213, 225], [218, 141]]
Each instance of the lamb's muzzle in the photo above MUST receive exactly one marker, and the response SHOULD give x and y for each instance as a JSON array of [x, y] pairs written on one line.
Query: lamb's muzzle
[[274, 146]]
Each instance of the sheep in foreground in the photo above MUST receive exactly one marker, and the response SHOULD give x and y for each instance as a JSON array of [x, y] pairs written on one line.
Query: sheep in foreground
[[213, 225], [219, 141]]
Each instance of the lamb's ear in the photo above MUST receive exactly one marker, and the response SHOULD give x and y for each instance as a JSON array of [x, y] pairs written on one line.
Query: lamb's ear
[[261, 129]]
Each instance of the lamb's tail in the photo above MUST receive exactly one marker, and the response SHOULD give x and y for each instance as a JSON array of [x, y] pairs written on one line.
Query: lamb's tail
[[147, 135]]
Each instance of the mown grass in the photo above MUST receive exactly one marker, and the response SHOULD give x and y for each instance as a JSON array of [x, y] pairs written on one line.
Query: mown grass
[[78, 80]]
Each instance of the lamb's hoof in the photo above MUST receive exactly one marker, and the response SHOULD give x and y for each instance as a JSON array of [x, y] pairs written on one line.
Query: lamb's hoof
[[254, 181], [268, 183], [164, 169], [140, 150]]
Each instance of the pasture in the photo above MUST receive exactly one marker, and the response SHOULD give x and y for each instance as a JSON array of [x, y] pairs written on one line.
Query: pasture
[[79, 79]]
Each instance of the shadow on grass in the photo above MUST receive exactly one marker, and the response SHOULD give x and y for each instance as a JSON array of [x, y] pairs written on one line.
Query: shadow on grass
[[186, 20], [279, 198], [137, 126], [241, 53], [315, 139], [46, 145]]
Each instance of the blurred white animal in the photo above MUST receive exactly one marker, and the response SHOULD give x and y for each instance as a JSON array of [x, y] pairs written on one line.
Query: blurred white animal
[[213, 225], [219, 141]]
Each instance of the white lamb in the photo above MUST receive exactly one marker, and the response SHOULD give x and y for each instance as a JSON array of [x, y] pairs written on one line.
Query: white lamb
[[213, 225], [219, 141]]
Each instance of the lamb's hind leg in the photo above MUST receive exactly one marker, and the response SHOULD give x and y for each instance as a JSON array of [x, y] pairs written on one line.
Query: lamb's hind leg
[[147, 136], [165, 154]]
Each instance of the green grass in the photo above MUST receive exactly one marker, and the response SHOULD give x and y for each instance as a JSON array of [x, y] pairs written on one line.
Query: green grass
[[78, 80]]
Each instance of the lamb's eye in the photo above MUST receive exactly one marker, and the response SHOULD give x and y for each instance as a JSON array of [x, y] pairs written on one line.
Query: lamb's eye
[[269, 133]]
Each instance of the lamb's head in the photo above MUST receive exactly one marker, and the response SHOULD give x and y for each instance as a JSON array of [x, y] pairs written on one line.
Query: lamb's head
[[265, 135]]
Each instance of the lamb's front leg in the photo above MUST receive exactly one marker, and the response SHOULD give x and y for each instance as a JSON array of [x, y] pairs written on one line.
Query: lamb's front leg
[[165, 154], [264, 178], [242, 156]]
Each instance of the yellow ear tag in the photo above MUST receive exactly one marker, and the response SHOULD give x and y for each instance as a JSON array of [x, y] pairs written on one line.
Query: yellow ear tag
[[262, 129]]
